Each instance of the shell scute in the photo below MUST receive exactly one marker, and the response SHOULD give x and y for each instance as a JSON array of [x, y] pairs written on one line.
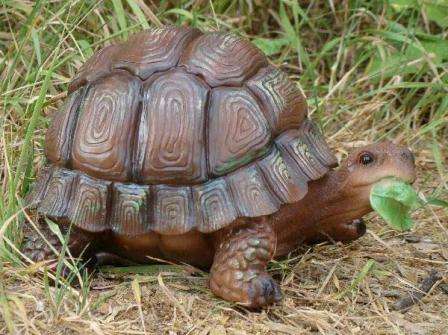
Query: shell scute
[[171, 140], [56, 202], [297, 151], [251, 194], [88, 205], [222, 59], [34, 198], [312, 135], [153, 50], [284, 104], [97, 66], [60, 133], [238, 131], [104, 133], [173, 211], [289, 185], [214, 205], [130, 209]]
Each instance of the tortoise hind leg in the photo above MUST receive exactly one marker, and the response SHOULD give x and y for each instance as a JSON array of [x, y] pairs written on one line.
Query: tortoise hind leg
[[38, 250], [239, 269]]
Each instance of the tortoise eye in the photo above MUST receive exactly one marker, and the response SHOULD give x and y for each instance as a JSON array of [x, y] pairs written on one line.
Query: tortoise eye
[[366, 158]]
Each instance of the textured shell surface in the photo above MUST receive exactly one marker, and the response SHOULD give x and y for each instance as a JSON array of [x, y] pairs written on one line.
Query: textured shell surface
[[175, 130]]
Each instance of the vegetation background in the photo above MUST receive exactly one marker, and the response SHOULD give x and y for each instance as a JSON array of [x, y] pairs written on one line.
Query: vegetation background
[[371, 70]]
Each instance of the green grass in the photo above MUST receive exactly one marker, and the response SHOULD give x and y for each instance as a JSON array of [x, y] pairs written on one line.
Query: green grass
[[371, 70]]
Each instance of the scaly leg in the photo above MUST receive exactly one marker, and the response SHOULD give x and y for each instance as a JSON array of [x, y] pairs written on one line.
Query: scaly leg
[[239, 272], [38, 250]]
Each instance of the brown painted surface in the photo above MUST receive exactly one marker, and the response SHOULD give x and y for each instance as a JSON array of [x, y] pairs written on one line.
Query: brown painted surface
[[251, 195], [171, 138], [284, 104], [153, 50], [96, 67], [130, 213], [59, 137], [214, 205], [222, 59], [88, 204], [105, 130], [288, 184], [55, 202], [238, 130], [298, 152], [150, 159], [257, 189]]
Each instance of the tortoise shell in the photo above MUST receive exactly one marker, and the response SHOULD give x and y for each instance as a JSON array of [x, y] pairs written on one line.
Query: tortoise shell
[[176, 130]]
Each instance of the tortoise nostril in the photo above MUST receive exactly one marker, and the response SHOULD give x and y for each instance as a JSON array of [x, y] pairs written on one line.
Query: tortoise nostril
[[407, 155]]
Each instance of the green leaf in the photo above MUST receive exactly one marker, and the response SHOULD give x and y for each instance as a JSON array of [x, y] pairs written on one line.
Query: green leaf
[[86, 48], [400, 5], [25, 154], [366, 269], [181, 12], [270, 46], [393, 199], [438, 13], [438, 48], [121, 16], [36, 44], [138, 13], [143, 269], [55, 230], [437, 202]]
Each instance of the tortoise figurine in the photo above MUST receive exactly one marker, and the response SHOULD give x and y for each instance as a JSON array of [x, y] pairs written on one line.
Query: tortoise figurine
[[189, 147]]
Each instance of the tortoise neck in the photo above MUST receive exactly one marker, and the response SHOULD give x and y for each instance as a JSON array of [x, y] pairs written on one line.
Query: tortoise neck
[[330, 201], [337, 200]]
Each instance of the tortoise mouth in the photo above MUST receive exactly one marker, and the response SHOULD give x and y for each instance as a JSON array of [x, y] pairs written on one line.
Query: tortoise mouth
[[408, 176]]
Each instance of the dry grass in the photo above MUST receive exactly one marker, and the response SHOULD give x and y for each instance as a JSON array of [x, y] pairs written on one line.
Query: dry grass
[[371, 70]]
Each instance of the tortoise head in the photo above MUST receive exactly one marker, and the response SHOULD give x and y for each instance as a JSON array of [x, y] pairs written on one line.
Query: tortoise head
[[367, 165], [348, 188]]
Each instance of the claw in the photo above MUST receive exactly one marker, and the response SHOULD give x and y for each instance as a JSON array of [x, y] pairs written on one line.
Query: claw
[[263, 291], [357, 228], [360, 226]]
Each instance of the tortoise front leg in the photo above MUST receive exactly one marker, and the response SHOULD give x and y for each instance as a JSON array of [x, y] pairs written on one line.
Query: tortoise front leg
[[239, 271]]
